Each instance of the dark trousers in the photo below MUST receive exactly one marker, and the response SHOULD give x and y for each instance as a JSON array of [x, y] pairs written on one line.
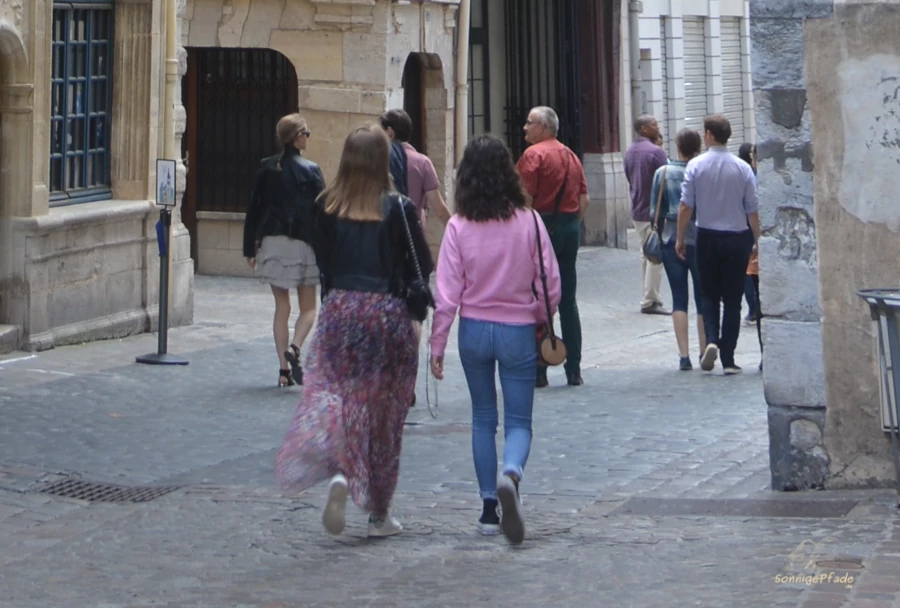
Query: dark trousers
[[566, 238], [722, 258]]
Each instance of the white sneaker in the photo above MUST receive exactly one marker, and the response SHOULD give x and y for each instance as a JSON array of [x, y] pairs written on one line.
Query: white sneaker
[[379, 528], [708, 362], [333, 517], [511, 523]]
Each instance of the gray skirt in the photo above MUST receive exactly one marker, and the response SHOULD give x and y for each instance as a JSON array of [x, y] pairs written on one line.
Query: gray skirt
[[286, 263]]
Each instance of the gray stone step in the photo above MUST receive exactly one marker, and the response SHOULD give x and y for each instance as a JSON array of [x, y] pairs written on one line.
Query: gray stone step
[[9, 338]]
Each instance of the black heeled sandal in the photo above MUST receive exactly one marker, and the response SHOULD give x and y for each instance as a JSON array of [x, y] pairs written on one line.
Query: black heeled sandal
[[284, 378], [293, 357]]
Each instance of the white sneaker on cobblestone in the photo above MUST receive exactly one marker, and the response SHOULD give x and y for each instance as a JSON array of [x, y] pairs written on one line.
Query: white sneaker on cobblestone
[[334, 515], [708, 362], [379, 528], [511, 523]]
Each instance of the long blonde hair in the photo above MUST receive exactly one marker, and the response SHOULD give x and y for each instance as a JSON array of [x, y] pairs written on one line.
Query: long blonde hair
[[287, 131], [363, 177]]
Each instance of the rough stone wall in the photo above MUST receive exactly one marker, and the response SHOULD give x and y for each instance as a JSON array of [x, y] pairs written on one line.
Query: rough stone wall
[[853, 65], [789, 266]]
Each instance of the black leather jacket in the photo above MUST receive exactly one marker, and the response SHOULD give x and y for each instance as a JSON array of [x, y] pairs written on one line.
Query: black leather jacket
[[370, 256], [283, 200]]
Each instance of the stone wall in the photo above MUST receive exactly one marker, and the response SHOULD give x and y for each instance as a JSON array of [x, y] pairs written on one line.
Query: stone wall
[[853, 62], [85, 271], [793, 369], [349, 56], [830, 226]]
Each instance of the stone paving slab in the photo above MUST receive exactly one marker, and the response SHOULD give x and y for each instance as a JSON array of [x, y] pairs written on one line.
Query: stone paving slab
[[639, 429]]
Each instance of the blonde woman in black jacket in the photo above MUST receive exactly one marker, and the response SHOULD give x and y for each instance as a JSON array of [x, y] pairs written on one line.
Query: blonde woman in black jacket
[[277, 235]]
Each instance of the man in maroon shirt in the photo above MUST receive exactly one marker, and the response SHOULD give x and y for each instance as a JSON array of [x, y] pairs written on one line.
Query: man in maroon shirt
[[556, 188], [642, 160]]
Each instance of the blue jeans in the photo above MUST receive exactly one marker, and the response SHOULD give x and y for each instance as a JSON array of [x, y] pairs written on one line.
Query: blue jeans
[[677, 272], [484, 345]]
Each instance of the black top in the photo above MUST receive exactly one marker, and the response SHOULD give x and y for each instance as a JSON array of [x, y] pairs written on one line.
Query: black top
[[370, 256], [283, 200]]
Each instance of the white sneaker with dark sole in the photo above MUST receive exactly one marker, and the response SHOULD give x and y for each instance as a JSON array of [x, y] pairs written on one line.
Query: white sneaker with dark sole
[[334, 515], [380, 528], [511, 523], [708, 361]]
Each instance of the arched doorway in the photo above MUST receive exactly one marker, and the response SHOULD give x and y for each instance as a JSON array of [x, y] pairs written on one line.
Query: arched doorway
[[233, 98], [425, 100]]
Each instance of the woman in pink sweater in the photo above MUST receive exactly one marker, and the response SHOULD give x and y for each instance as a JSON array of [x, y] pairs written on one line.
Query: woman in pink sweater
[[489, 270]]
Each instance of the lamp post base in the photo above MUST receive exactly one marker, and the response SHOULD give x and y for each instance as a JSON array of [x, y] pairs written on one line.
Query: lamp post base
[[161, 359]]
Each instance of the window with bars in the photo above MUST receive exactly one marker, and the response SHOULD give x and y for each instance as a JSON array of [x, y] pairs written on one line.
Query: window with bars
[[81, 101]]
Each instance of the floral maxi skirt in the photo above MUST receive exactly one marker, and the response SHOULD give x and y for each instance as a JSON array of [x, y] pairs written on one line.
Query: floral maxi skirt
[[359, 382]]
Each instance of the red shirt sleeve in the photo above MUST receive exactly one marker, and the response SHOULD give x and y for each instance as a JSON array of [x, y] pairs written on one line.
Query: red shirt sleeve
[[528, 167]]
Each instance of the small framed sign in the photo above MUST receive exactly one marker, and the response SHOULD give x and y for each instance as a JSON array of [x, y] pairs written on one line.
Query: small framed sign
[[165, 182]]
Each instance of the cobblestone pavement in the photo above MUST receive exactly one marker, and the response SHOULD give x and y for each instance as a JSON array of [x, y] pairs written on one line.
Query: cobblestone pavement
[[645, 487]]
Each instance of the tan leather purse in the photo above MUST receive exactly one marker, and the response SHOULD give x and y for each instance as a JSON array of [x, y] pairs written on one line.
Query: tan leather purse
[[551, 350]]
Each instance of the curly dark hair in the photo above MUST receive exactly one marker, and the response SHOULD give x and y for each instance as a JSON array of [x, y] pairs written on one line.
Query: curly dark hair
[[488, 187]]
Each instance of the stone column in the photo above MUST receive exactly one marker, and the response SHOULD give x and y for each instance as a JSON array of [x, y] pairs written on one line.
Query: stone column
[[182, 285], [794, 377], [134, 79], [17, 129]]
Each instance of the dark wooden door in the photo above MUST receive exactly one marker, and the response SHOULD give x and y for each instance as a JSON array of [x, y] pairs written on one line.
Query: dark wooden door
[[414, 99], [234, 99]]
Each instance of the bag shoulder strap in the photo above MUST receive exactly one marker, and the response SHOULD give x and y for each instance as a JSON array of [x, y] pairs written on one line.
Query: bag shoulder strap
[[540, 247], [663, 188], [409, 238]]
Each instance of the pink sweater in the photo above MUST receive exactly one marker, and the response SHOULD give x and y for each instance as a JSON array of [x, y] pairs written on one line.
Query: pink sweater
[[487, 269]]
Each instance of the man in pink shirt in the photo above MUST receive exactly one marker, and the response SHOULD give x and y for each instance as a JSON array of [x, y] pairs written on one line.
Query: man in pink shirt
[[422, 180]]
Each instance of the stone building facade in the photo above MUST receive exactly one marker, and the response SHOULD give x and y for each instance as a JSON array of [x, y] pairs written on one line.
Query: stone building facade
[[344, 62], [80, 86], [695, 61], [825, 79]]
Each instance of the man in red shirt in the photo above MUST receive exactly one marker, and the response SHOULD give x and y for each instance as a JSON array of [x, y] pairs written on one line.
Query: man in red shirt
[[557, 189]]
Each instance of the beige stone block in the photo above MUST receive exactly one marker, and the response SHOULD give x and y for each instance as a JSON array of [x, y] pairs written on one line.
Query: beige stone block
[[222, 262], [327, 124], [236, 235], [123, 292], [373, 102], [231, 25], [212, 234], [327, 153], [358, 120], [365, 58], [315, 55], [330, 98], [298, 16], [74, 302], [204, 24], [264, 17], [122, 258]]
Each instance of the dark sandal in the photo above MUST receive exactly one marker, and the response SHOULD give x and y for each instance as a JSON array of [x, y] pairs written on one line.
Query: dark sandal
[[293, 357], [284, 378]]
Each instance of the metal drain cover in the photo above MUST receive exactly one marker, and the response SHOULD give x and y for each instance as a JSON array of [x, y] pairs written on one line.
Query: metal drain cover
[[104, 492], [736, 507]]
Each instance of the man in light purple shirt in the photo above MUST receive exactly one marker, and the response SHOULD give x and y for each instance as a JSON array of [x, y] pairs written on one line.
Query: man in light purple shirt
[[642, 160], [721, 189]]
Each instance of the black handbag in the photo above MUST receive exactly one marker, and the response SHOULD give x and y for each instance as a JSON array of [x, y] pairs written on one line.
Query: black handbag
[[417, 292]]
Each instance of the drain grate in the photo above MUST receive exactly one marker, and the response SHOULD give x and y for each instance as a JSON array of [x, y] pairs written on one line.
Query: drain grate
[[104, 492]]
